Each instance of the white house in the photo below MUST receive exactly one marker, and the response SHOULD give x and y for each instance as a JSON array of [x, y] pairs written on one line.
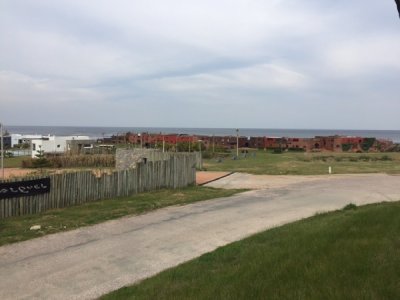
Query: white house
[[17, 139], [58, 144]]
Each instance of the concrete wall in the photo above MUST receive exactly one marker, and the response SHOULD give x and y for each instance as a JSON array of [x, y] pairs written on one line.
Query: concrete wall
[[129, 158]]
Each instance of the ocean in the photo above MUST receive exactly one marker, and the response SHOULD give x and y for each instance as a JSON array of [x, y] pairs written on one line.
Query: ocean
[[98, 132]]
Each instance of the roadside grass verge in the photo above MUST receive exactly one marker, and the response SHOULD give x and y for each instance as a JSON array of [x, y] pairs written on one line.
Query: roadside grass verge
[[292, 163], [353, 253], [17, 229]]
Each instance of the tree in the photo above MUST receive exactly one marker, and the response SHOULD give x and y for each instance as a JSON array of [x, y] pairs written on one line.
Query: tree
[[398, 6], [40, 161]]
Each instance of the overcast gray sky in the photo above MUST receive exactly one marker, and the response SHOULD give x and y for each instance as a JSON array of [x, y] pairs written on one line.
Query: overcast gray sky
[[226, 63]]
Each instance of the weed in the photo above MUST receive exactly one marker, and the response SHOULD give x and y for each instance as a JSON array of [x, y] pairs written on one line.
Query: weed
[[350, 206]]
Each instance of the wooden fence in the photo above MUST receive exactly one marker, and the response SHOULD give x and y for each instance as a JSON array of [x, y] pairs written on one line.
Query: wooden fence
[[76, 188]]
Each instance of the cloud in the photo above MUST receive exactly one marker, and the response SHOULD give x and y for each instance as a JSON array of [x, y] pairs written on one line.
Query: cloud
[[17, 88], [292, 58], [364, 55], [260, 77]]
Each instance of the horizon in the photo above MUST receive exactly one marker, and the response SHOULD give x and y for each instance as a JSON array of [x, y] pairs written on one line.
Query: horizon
[[183, 127]]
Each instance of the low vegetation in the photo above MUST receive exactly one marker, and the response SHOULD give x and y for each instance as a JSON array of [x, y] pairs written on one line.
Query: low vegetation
[[254, 162], [349, 254], [292, 163], [17, 229], [14, 162], [73, 161]]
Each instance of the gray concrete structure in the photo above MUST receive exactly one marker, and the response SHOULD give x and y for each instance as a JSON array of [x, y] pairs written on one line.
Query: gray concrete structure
[[128, 158]]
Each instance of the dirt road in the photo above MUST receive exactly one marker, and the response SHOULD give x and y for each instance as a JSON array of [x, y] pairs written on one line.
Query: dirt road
[[86, 263]]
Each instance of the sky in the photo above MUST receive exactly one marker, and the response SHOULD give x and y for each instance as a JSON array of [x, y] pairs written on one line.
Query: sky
[[310, 64]]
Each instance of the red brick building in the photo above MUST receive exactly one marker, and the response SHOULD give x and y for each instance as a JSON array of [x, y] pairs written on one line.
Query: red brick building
[[318, 143]]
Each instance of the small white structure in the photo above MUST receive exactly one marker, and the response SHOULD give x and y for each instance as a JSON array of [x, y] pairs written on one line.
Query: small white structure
[[17, 139], [58, 144]]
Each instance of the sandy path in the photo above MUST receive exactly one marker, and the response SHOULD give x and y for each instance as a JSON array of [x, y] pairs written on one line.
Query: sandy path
[[15, 172], [206, 176]]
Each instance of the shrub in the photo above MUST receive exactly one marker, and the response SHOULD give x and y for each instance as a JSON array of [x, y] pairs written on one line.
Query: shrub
[[386, 158], [74, 161], [364, 158], [27, 163], [9, 154], [41, 161], [347, 147], [206, 154], [350, 206], [296, 150], [367, 143], [324, 157]]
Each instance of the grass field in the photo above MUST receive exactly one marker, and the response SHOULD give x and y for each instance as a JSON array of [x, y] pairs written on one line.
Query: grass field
[[349, 254], [18, 228], [14, 162], [291, 163]]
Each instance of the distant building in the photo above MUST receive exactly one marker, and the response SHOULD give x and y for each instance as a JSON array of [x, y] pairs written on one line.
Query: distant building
[[19, 139], [60, 144], [316, 144]]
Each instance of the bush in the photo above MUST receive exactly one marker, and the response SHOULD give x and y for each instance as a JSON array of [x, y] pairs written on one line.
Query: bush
[[41, 161], [367, 143], [206, 154], [324, 158], [9, 154], [82, 160], [364, 158], [386, 158], [347, 147], [73, 161], [27, 163], [350, 206]]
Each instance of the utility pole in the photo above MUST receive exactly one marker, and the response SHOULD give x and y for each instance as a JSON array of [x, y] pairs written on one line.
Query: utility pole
[[163, 143], [200, 146], [2, 151], [213, 143], [237, 143], [201, 156]]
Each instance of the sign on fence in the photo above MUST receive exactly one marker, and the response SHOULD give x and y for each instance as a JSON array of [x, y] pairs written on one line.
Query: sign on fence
[[24, 188]]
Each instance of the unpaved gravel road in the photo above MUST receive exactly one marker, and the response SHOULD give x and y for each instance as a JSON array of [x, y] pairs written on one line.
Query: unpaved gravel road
[[88, 262]]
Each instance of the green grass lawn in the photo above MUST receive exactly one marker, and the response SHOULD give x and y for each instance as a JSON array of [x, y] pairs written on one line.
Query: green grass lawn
[[349, 254], [291, 163], [17, 229], [14, 162]]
